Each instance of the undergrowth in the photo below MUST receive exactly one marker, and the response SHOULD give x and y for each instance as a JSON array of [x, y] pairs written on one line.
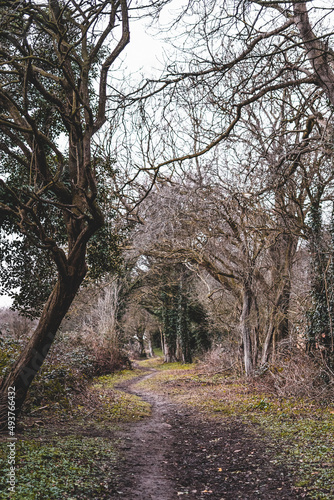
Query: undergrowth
[[68, 467]]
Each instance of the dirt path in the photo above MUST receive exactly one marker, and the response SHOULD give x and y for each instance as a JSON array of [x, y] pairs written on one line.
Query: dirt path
[[143, 472], [176, 453]]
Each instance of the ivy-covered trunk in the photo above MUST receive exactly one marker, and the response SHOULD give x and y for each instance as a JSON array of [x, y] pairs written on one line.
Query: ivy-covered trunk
[[31, 359], [319, 334], [183, 327], [169, 327]]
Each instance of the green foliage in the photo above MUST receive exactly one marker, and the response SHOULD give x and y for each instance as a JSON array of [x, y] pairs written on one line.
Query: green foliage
[[39, 196], [104, 254], [78, 467], [27, 274], [105, 247]]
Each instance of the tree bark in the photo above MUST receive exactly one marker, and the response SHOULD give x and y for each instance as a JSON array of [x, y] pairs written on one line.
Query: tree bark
[[169, 353], [31, 359], [246, 329], [140, 339], [150, 346], [316, 50], [72, 196]]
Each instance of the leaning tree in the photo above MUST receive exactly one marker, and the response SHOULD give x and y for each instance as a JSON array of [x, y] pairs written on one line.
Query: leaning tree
[[55, 61]]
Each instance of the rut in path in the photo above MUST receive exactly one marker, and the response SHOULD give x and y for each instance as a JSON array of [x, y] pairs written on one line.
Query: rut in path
[[176, 453]]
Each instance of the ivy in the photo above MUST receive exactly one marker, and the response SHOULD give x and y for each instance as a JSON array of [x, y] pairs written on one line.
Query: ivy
[[320, 316], [185, 323]]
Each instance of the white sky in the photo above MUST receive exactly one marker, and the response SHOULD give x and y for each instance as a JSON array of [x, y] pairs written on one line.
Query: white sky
[[5, 301]]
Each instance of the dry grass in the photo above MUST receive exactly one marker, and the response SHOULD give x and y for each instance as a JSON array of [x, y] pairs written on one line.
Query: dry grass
[[292, 372]]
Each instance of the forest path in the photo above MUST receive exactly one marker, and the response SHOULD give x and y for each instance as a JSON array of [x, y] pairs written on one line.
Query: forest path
[[144, 445], [178, 453]]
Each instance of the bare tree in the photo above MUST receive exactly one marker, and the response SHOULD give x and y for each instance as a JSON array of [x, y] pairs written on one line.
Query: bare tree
[[229, 56], [257, 66], [204, 225]]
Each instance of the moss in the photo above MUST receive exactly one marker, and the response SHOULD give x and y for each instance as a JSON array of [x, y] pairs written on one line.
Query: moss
[[157, 362], [110, 381], [122, 407], [176, 366]]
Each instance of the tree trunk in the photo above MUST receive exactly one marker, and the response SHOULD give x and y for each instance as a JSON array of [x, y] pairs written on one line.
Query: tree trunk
[[246, 329], [316, 50], [30, 361], [140, 339], [279, 323], [169, 330], [282, 257], [255, 333], [169, 351], [169, 354], [150, 346], [178, 351], [162, 341]]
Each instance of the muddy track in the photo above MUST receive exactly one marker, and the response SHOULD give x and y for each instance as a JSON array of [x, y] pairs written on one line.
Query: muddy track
[[176, 453], [144, 446]]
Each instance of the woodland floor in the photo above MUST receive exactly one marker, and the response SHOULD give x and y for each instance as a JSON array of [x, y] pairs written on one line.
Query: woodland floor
[[163, 432], [178, 453]]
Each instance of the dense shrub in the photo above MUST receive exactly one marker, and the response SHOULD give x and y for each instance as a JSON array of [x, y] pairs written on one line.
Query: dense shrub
[[223, 358], [293, 372], [74, 359]]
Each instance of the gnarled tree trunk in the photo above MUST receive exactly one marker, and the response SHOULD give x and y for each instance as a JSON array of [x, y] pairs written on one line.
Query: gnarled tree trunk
[[31, 359]]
